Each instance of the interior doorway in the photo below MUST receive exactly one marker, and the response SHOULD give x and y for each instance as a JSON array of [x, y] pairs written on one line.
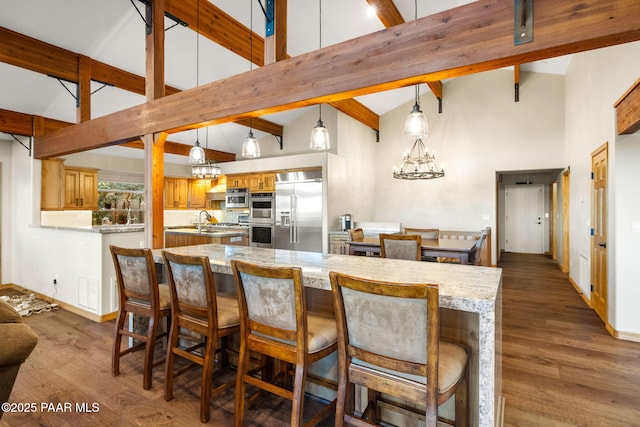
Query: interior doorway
[[524, 219], [599, 287]]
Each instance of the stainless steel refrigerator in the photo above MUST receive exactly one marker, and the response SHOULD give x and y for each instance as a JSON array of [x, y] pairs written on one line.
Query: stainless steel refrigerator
[[299, 211]]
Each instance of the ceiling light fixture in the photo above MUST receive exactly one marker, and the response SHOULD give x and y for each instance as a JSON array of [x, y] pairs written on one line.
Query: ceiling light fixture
[[416, 124], [196, 154], [250, 146], [319, 140], [418, 163], [208, 169]]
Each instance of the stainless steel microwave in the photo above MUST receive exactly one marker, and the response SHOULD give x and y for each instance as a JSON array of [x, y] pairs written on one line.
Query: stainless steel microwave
[[237, 198]]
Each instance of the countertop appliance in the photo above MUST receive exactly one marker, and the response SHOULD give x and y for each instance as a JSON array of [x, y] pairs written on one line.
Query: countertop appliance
[[299, 211], [346, 222], [237, 198]]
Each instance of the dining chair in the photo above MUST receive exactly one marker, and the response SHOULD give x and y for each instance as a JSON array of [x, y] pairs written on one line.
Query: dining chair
[[376, 350], [477, 250], [139, 294], [201, 316], [425, 234], [275, 323], [356, 234], [401, 246]]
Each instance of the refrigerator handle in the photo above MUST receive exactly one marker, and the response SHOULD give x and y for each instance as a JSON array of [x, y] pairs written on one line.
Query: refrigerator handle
[[294, 218]]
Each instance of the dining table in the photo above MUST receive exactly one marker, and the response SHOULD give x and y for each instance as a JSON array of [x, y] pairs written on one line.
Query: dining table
[[449, 248], [470, 304]]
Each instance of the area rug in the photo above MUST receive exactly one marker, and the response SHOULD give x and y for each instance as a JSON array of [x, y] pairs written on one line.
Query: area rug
[[26, 305]]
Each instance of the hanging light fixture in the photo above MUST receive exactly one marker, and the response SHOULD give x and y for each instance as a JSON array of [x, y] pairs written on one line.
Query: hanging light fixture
[[250, 146], [206, 170], [416, 124], [196, 154], [319, 134], [418, 163]]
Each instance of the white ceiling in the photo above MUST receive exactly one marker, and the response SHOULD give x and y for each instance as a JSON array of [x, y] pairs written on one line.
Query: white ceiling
[[113, 32]]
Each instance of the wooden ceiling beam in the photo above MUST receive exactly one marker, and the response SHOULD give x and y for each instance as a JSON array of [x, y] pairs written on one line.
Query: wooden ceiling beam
[[35, 55], [628, 111], [222, 29], [390, 16], [16, 123], [468, 39]]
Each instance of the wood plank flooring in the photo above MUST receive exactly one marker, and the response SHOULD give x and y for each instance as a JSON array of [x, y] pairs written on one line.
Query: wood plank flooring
[[560, 367]]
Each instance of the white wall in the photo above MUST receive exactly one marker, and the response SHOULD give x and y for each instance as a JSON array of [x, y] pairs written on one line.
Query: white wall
[[480, 131], [595, 81]]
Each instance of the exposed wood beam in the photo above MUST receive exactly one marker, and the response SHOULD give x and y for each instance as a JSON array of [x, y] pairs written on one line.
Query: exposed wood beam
[[275, 42], [387, 12], [83, 103], [154, 73], [23, 124], [628, 110], [222, 29], [468, 39], [34, 55]]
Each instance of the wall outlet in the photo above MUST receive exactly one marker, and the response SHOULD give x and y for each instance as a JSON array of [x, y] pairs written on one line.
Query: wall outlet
[[55, 280]]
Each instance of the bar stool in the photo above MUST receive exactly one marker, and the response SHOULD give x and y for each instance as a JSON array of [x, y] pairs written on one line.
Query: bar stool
[[401, 246], [275, 323], [377, 350], [197, 308], [140, 294]]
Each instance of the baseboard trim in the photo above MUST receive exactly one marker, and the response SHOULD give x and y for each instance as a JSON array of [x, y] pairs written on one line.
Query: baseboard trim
[[626, 336], [80, 312], [579, 292]]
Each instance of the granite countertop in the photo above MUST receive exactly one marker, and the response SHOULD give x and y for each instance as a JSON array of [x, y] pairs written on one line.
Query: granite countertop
[[103, 229], [213, 232], [462, 287]]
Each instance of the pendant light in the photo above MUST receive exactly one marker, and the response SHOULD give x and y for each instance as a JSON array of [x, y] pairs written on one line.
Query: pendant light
[[250, 146], [196, 154], [319, 134], [207, 170], [416, 124]]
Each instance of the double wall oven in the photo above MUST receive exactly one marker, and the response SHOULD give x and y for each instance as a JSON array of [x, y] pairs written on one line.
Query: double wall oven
[[262, 212]]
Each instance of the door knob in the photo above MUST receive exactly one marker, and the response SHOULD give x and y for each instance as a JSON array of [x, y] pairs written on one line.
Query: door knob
[[602, 245]]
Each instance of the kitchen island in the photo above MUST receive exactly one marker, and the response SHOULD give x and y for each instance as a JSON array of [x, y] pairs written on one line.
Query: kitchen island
[[187, 236], [470, 301]]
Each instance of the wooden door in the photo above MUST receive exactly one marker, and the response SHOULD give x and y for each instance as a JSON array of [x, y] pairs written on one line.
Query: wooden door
[[88, 189], [71, 188], [524, 219], [599, 232]]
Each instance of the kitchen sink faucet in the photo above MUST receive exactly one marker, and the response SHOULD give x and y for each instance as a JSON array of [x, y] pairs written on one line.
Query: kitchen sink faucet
[[206, 214]]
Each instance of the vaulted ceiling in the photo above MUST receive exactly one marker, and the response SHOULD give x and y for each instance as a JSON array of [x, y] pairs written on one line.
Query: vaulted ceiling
[[112, 36]]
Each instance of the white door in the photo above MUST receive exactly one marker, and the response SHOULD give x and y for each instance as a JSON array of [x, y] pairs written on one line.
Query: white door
[[524, 219]]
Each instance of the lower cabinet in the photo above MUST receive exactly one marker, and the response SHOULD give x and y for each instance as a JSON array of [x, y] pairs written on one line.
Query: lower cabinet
[[172, 240], [338, 243]]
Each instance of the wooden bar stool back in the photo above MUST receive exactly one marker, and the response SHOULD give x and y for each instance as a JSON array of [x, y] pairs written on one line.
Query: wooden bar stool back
[[425, 233], [377, 350], [201, 316], [356, 234], [140, 294], [401, 246], [276, 324]]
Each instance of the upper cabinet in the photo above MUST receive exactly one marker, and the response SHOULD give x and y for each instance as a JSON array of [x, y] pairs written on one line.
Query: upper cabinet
[[259, 182], [183, 193], [80, 188], [68, 188], [238, 181]]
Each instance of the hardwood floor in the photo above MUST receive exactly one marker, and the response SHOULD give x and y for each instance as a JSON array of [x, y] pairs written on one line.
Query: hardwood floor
[[560, 367]]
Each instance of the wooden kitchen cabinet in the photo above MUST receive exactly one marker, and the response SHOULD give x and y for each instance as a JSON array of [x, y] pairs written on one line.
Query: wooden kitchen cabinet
[[259, 182], [176, 193], [198, 193], [52, 187], [172, 240], [80, 188], [238, 181]]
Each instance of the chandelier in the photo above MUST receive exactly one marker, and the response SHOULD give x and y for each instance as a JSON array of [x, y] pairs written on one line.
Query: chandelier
[[206, 170], [419, 164]]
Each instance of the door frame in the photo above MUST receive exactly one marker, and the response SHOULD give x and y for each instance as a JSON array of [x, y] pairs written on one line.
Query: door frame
[[566, 181], [602, 310]]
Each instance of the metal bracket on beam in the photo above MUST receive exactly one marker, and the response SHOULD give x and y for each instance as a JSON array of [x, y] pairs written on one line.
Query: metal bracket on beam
[[148, 12], [279, 138], [523, 22], [377, 135], [269, 13], [21, 143], [439, 105], [516, 87], [77, 94]]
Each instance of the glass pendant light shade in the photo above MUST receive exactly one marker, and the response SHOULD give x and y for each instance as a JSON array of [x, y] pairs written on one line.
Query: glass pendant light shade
[[196, 155], [250, 146], [319, 137], [416, 124]]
